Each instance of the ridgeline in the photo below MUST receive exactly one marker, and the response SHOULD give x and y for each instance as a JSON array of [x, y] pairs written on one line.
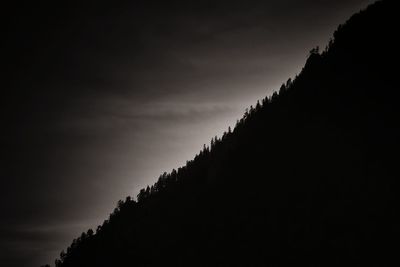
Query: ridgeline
[[309, 176]]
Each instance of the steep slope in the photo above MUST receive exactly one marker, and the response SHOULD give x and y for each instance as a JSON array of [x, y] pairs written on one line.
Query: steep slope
[[308, 177]]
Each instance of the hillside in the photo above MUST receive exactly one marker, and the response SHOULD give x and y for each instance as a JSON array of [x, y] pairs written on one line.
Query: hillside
[[309, 176]]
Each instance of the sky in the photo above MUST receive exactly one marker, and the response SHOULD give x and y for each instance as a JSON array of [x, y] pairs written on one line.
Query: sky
[[99, 98]]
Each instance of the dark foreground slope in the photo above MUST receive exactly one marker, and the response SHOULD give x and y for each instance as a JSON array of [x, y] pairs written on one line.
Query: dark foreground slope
[[309, 176]]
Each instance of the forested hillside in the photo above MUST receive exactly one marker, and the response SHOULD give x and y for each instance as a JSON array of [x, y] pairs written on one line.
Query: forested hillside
[[308, 176]]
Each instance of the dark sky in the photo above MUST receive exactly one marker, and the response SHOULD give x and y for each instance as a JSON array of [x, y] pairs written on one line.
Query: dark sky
[[100, 98]]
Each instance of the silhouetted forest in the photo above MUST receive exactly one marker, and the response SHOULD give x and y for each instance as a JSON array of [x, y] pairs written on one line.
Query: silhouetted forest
[[309, 176]]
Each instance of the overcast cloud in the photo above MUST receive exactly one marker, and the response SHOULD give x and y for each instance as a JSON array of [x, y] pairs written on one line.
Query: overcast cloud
[[102, 97]]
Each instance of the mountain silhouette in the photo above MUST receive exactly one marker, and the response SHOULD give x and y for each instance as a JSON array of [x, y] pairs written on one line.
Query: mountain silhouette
[[309, 176]]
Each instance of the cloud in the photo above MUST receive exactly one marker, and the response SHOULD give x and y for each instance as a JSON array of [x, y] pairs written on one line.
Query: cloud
[[103, 97]]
